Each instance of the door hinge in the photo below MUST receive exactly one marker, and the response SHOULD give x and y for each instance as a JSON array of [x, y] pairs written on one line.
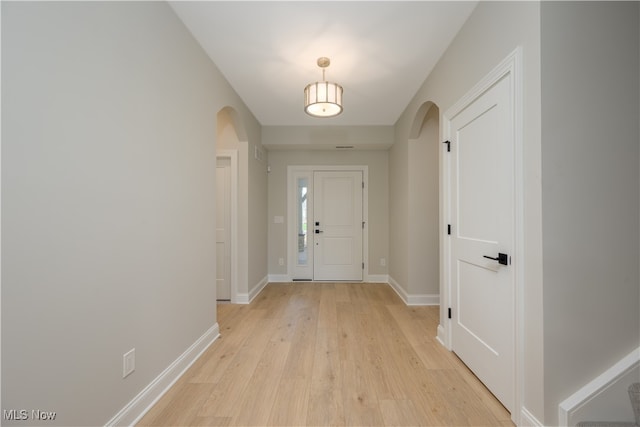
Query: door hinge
[[363, 225], [448, 145], [363, 265], [449, 229], [449, 312], [363, 185]]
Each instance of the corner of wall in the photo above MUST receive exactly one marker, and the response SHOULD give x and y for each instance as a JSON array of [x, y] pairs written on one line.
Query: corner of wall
[[414, 299]]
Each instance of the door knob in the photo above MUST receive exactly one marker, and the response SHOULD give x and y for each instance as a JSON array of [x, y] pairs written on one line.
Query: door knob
[[502, 258]]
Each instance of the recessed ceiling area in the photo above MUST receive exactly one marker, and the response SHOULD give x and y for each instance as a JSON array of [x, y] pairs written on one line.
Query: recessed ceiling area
[[381, 52]]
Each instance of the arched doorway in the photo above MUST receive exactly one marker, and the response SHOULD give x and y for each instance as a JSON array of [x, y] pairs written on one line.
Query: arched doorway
[[424, 204]]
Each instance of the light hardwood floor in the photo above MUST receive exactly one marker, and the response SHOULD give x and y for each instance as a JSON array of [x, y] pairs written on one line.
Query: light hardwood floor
[[320, 354]]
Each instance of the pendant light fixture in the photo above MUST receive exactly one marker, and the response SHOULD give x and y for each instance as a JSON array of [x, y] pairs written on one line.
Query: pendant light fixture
[[323, 99]]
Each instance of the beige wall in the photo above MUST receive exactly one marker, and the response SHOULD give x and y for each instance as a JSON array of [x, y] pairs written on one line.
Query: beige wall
[[414, 208], [257, 242], [424, 206], [327, 137], [399, 212], [108, 178], [590, 175], [377, 162], [490, 34]]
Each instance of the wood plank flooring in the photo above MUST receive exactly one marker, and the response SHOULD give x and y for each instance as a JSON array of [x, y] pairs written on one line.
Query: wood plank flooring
[[327, 354]]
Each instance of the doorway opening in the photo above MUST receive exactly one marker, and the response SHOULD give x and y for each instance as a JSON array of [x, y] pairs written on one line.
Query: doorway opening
[[327, 223], [229, 136]]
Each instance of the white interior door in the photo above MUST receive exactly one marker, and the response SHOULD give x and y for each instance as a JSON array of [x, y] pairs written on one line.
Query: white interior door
[[337, 225], [482, 214], [223, 229]]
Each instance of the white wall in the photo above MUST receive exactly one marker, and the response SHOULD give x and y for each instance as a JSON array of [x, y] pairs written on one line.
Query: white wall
[[590, 147], [491, 33], [108, 163]]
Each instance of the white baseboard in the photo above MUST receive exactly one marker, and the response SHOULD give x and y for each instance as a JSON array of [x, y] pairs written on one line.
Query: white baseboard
[[527, 419], [280, 278], [377, 278], [441, 337], [246, 298], [371, 278], [414, 299], [140, 405], [601, 397], [258, 288], [424, 299]]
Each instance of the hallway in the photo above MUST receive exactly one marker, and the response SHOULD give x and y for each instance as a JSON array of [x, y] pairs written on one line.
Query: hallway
[[327, 354]]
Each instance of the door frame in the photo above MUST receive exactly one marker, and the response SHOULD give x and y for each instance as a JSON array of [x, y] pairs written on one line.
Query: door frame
[[232, 155], [295, 171], [510, 67]]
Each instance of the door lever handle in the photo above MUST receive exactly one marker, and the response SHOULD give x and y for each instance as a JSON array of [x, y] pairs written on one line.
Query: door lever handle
[[502, 259], [318, 231]]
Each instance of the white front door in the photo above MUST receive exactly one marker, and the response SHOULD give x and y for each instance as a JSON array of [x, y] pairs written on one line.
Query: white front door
[[481, 177], [223, 229], [337, 225]]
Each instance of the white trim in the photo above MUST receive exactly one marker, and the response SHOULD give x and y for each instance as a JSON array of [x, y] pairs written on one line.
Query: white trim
[[377, 278], [243, 298], [232, 155], [396, 287], [511, 65], [516, 67], [258, 288], [140, 405], [414, 299], [424, 299], [527, 419], [246, 298], [371, 278], [596, 387], [441, 337], [280, 278]]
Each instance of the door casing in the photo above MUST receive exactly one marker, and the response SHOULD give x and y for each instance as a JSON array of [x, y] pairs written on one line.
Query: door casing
[[232, 155], [223, 229]]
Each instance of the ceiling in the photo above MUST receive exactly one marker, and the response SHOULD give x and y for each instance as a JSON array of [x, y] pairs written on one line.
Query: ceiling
[[381, 52]]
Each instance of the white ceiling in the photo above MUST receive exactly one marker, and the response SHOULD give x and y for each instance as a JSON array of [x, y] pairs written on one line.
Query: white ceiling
[[381, 52]]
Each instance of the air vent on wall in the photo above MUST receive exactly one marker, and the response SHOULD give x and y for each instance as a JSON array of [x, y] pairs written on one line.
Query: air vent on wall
[[258, 154]]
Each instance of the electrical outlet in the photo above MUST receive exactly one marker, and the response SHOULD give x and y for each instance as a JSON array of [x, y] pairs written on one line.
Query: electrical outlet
[[128, 363], [383, 262], [281, 261]]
